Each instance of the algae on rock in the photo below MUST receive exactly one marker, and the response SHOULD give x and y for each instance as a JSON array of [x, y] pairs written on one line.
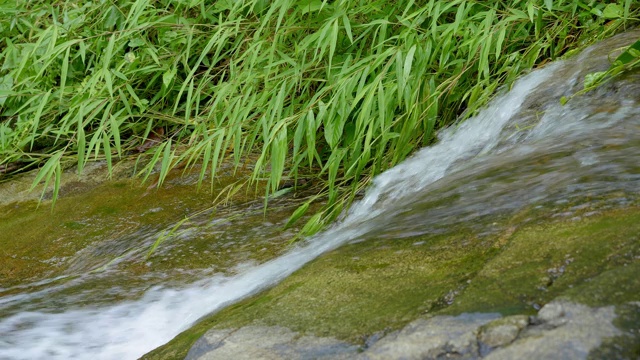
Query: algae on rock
[[378, 286]]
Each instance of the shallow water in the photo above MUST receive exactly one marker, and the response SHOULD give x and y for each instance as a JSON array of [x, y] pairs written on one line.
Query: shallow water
[[524, 153]]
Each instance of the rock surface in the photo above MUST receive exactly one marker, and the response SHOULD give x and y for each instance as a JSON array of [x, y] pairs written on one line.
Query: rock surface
[[561, 330], [501, 332], [267, 342], [432, 338]]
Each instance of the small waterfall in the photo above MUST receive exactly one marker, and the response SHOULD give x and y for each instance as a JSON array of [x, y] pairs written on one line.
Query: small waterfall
[[405, 199]]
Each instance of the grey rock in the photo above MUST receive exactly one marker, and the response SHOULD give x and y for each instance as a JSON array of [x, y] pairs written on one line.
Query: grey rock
[[561, 330], [501, 332], [554, 313], [564, 330], [266, 342], [438, 337], [210, 341]]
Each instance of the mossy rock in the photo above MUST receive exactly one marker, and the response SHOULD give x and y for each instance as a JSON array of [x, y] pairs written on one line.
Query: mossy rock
[[370, 288]]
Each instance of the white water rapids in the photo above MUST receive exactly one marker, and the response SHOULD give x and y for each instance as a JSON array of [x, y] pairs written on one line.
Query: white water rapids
[[129, 329]]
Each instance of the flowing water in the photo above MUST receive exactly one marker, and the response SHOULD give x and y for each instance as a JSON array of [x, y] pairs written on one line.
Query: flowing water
[[524, 151]]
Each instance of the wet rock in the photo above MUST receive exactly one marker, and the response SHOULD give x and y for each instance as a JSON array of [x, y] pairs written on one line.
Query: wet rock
[[562, 330], [362, 292], [627, 345], [209, 342], [501, 332], [553, 314], [19, 189], [264, 342], [438, 337]]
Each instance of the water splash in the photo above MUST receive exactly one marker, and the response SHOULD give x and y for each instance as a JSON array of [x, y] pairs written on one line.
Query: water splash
[[475, 136]]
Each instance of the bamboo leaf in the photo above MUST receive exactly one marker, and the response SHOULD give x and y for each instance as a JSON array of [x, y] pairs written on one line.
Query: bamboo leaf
[[82, 50], [168, 76], [347, 27], [400, 74], [333, 165], [109, 81], [333, 43], [115, 133], [205, 162], [297, 214], [51, 168], [106, 62], [164, 235], [312, 225], [56, 184], [408, 61], [311, 136], [167, 160], [217, 152], [64, 72], [298, 135], [631, 54], [549, 4], [530, 11], [500, 41], [35, 123], [612, 11], [107, 153], [279, 149], [81, 142]]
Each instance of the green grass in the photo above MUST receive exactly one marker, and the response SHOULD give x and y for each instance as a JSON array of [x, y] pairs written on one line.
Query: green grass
[[331, 91]]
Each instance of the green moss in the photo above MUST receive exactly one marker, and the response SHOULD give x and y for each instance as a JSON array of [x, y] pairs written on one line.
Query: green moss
[[354, 291], [616, 286], [542, 262], [74, 225], [361, 289], [93, 228]]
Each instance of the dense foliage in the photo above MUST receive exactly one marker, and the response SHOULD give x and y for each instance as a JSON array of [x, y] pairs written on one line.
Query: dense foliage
[[336, 91]]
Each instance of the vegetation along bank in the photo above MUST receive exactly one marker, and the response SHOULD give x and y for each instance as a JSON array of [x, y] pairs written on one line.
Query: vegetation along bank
[[329, 93]]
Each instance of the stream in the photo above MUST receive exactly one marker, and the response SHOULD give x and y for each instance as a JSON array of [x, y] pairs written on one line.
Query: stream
[[524, 151]]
